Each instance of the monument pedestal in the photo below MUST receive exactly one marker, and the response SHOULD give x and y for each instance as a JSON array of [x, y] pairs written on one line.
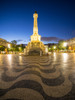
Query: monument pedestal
[[35, 48]]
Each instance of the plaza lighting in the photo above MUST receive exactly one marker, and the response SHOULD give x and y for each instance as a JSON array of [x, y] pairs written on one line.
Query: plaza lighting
[[49, 48], [54, 47], [8, 45], [65, 44], [46, 49]]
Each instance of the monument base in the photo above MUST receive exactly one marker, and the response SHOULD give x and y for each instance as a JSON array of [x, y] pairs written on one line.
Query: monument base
[[35, 48]]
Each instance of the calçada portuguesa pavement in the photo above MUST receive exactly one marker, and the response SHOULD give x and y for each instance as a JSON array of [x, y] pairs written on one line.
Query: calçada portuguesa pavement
[[37, 77]]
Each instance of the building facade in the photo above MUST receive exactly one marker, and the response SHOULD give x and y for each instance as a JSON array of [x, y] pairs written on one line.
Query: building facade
[[71, 44]]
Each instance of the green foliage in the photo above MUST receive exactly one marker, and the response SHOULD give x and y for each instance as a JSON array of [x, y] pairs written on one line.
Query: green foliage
[[60, 45], [15, 47], [14, 42], [21, 48], [51, 48], [2, 48]]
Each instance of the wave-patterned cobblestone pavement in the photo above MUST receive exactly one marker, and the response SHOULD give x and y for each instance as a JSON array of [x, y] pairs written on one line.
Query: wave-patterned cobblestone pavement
[[37, 78]]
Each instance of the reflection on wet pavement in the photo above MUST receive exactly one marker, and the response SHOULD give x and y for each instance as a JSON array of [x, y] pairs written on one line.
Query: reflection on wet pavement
[[34, 77]]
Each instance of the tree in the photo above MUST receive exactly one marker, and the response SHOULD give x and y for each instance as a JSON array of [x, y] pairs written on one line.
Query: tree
[[2, 48], [14, 42], [13, 46], [60, 45], [21, 47], [52, 48]]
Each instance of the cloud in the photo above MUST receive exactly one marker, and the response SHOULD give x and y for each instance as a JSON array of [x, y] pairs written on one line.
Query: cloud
[[48, 39], [19, 40]]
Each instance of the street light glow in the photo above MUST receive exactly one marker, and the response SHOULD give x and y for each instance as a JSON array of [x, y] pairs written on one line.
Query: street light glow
[[65, 44], [49, 48], [8, 45], [54, 47]]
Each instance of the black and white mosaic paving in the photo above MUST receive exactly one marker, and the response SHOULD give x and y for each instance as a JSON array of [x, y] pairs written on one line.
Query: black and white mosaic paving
[[37, 78]]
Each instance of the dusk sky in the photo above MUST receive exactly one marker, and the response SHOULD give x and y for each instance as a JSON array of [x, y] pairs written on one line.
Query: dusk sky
[[56, 19]]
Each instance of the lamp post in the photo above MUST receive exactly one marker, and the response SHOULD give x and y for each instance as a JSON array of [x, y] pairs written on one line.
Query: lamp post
[[8, 45], [65, 44], [54, 48]]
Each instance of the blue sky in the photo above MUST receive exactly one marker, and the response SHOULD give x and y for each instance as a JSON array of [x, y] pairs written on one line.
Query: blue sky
[[56, 18]]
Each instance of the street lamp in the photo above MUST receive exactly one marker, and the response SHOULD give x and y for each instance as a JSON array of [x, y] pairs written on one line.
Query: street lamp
[[54, 47], [65, 44], [49, 48], [8, 45]]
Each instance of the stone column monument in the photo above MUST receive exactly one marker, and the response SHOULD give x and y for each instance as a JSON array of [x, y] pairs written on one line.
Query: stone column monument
[[35, 45]]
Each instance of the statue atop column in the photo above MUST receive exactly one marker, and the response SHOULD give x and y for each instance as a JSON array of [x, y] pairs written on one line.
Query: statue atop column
[[35, 37]]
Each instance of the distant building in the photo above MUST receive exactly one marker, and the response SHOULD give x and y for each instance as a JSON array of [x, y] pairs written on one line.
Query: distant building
[[3, 42], [71, 44]]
